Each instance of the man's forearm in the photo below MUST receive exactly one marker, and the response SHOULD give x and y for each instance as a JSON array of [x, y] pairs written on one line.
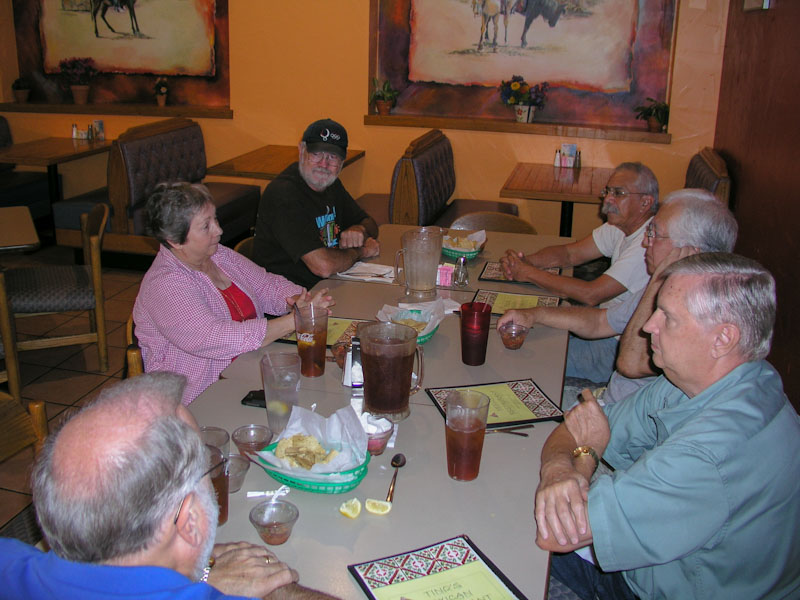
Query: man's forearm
[[325, 262], [295, 591], [552, 256], [590, 293], [633, 358], [370, 226], [587, 322]]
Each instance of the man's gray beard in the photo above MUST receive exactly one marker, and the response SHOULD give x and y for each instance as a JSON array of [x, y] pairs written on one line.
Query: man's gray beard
[[305, 173], [208, 504]]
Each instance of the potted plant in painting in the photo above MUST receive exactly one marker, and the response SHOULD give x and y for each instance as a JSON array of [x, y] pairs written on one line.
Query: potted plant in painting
[[161, 90], [384, 96], [21, 89], [655, 113], [522, 97], [78, 73]]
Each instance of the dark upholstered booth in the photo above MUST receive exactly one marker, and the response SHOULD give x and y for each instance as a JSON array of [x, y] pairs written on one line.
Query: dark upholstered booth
[[22, 188], [707, 170], [141, 158], [423, 183]]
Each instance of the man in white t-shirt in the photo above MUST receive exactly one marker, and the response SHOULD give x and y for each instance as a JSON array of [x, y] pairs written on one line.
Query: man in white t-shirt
[[629, 201]]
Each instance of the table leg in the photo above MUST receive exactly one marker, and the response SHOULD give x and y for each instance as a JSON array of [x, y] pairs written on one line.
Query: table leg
[[565, 228], [54, 191]]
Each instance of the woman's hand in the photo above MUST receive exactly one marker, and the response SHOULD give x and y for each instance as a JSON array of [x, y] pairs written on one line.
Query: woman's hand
[[321, 299]]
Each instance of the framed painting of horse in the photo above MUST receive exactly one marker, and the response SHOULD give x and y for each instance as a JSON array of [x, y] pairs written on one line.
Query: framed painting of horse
[[601, 58], [132, 43]]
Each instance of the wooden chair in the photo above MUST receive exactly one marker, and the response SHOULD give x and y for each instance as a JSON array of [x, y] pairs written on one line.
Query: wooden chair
[[52, 289], [134, 365], [493, 221], [707, 170], [245, 247], [8, 348], [21, 428]]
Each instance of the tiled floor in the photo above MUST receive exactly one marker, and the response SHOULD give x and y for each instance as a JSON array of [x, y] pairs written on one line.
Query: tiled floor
[[63, 377]]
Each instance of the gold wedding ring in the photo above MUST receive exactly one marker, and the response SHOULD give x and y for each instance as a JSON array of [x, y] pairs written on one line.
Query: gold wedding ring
[[269, 559]]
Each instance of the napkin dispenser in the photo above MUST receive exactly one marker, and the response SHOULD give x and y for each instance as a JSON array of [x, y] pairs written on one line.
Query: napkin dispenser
[[353, 373]]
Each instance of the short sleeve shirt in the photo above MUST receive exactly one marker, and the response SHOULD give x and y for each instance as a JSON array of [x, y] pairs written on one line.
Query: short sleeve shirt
[[627, 258]]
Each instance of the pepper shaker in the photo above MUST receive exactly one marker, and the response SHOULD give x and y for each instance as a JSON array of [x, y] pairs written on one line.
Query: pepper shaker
[[460, 274]]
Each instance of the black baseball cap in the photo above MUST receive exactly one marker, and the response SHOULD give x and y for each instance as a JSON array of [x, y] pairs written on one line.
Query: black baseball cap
[[326, 135]]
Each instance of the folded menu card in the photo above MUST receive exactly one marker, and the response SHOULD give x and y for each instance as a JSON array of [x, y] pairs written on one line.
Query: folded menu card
[[339, 330], [454, 568], [511, 403], [492, 271], [502, 301]]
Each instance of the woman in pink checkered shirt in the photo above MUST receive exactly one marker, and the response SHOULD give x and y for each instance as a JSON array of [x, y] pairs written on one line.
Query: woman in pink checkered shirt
[[201, 304]]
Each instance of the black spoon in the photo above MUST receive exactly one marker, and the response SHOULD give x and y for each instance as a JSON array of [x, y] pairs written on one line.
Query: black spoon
[[398, 460]]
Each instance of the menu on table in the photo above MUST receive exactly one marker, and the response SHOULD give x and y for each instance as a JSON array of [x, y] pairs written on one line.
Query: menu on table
[[492, 271], [511, 403], [503, 301], [454, 568], [339, 330]]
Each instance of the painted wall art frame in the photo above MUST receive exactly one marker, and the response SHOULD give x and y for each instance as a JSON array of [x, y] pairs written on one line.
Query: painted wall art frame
[[601, 58], [133, 43]]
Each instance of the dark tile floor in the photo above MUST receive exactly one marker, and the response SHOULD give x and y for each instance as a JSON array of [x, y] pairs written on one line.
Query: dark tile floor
[[62, 377]]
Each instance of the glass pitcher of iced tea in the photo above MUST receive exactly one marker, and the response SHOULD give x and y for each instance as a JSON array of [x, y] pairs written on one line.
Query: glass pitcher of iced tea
[[387, 359]]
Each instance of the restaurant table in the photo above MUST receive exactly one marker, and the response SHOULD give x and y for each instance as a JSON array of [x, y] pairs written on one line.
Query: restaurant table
[[495, 510], [267, 162], [533, 181], [497, 243], [50, 152], [17, 232]]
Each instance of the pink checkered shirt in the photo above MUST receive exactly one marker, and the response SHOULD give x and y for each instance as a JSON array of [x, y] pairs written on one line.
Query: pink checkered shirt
[[184, 326]]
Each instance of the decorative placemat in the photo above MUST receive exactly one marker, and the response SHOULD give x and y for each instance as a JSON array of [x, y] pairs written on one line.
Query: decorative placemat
[[339, 330], [511, 403], [503, 301], [492, 271], [455, 565]]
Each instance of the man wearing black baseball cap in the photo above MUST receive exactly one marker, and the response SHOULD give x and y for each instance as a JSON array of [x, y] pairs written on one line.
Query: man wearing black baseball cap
[[308, 226]]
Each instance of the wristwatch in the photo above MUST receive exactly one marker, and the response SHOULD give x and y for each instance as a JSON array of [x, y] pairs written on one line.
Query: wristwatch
[[586, 451]]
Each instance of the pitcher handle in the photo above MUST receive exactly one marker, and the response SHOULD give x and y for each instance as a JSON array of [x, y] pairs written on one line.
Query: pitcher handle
[[420, 371], [397, 267]]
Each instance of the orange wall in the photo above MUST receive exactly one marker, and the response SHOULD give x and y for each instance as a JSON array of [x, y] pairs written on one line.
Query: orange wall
[[292, 62]]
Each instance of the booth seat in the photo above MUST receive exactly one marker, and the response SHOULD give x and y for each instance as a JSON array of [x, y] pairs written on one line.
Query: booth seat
[[141, 158]]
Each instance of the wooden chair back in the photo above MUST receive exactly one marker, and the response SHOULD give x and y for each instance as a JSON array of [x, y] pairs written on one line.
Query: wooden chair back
[[133, 353], [8, 337], [707, 170], [245, 247], [21, 428], [493, 221]]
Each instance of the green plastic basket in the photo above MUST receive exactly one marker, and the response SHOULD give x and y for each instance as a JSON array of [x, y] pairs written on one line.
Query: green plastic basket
[[421, 339], [452, 253], [353, 477]]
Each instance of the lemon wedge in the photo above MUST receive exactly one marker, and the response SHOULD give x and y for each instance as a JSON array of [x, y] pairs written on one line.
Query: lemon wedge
[[351, 508], [377, 507]]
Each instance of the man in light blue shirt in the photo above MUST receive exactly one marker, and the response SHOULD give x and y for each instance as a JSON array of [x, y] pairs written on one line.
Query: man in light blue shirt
[[705, 498]]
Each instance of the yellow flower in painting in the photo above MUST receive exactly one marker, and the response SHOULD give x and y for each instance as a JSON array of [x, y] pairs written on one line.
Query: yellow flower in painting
[[515, 85]]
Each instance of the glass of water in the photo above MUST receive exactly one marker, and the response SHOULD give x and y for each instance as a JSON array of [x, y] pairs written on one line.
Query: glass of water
[[280, 372]]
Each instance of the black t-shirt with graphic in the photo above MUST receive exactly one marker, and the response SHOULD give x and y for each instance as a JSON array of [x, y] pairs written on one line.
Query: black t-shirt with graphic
[[293, 220]]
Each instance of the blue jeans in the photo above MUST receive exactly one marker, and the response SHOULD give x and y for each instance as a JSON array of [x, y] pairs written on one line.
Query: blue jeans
[[587, 580], [591, 359]]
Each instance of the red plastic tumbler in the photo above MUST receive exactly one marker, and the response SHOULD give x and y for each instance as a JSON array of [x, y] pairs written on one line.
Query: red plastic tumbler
[[475, 318]]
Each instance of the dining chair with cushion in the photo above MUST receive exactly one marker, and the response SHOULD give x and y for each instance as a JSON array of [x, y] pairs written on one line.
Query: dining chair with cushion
[[493, 221], [65, 288]]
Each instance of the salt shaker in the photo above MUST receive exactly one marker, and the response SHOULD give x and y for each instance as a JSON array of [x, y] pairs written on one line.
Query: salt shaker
[[460, 274]]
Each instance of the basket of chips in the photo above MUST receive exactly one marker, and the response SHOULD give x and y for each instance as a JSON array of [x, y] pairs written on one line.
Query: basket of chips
[[319, 483], [468, 246], [424, 318]]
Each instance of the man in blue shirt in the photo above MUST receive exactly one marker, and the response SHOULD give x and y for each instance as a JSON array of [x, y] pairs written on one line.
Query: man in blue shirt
[[705, 498], [123, 497]]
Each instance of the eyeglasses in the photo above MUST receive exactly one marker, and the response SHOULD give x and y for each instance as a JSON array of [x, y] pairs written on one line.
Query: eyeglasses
[[618, 192], [317, 157], [211, 470], [650, 234]]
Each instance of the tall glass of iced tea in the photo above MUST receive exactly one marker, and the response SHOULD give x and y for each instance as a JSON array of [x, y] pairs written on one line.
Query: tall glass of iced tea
[[387, 357], [465, 427], [311, 324], [219, 479]]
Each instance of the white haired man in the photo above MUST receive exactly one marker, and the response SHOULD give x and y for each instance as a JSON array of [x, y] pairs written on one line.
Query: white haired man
[[124, 500], [630, 199], [308, 226], [688, 221], [706, 492]]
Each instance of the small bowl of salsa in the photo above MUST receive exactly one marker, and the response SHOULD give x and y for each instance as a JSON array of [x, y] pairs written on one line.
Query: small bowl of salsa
[[273, 520]]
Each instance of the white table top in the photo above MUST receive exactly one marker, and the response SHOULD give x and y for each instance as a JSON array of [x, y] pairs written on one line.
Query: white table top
[[495, 510]]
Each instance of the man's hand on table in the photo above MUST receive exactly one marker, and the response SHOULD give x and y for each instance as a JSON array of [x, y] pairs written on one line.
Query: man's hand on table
[[241, 569], [371, 247], [353, 237], [520, 316], [515, 266]]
